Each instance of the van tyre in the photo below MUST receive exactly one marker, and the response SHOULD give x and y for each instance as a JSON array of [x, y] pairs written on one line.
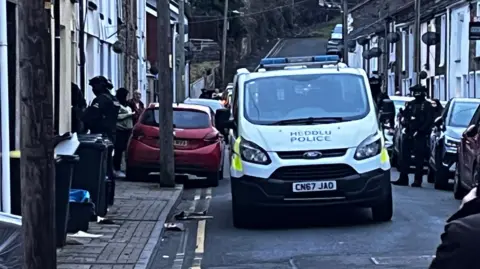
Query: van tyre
[[441, 179], [245, 217], [383, 211], [213, 179]]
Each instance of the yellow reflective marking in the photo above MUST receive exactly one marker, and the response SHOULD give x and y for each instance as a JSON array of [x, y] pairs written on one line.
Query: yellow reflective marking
[[13, 154], [236, 161], [384, 156]]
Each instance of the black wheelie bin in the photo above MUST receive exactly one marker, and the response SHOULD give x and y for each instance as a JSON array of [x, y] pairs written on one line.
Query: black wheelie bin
[[90, 173], [64, 168], [110, 180]]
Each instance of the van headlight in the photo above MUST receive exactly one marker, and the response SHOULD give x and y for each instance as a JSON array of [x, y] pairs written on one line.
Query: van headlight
[[369, 147], [252, 153]]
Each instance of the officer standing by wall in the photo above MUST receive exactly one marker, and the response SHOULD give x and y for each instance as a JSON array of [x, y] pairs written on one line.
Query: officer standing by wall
[[101, 115], [418, 117]]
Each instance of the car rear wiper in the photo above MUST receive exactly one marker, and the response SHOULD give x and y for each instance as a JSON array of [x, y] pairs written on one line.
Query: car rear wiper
[[308, 121]]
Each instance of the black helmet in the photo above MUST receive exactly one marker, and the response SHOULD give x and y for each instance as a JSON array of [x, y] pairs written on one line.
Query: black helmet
[[101, 81], [418, 88], [375, 80]]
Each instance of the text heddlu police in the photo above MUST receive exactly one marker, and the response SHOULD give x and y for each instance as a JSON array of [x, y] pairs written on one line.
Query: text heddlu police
[[310, 136]]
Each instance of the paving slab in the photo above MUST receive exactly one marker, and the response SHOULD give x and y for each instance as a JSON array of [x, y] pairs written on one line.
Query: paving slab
[[139, 215]]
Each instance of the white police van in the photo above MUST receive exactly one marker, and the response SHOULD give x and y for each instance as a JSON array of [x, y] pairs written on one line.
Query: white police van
[[306, 137]]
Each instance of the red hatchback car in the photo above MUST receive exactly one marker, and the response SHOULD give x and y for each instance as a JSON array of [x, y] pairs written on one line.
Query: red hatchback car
[[198, 144]]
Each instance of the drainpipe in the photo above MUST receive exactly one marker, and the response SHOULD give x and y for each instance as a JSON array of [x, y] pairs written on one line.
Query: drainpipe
[[81, 44], [4, 109], [56, 15]]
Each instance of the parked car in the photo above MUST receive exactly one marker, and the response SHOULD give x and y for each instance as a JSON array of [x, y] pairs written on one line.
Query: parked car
[[445, 138], [337, 32], [396, 135], [198, 145], [468, 167], [211, 103]]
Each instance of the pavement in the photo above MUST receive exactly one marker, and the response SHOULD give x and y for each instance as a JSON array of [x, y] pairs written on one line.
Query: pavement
[[139, 215], [314, 239], [297, 47]]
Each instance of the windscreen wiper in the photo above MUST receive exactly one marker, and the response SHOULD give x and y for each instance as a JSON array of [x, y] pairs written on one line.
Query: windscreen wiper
[[309, 121]]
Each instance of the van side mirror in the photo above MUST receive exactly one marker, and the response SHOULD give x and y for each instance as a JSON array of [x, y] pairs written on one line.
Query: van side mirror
[[438, 122], [222, 119], [471, 131]]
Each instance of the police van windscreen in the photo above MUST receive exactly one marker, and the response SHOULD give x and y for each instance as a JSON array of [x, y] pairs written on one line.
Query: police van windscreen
[[182, 118], [462, 113], [271, 99]]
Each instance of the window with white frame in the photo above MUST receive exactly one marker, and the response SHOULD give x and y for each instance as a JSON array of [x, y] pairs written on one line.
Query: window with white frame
[[471, 84], [404, 51], [465, 92], [443, 42], [436, 87], [460, 21], [410, 52], [477, 43], [443, 94], [477, 83]]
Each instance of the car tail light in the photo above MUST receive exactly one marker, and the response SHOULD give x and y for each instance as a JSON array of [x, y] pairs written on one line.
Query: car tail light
[[211, 138], [140, 136]]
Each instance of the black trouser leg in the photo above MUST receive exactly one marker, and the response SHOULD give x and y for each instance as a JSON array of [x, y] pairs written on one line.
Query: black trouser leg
[[406, 160], [121, 141], [419, 144]]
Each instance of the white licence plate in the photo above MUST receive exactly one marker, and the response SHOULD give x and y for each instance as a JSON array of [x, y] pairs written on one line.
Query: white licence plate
[[314, 186], [181, 143]]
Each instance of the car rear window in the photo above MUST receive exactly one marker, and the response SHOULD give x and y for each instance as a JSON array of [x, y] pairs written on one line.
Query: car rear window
[[182, 118]]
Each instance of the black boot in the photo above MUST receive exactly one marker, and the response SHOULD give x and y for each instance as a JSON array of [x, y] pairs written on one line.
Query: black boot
[[417, 183], [401, 181]]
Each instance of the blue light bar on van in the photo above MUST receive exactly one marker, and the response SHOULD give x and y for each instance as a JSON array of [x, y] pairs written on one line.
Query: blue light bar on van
[[266, 61], [326, 58], [296, 60]]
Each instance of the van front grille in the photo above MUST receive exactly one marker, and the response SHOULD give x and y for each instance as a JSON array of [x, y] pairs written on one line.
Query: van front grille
[[313, 172], [329, 153]]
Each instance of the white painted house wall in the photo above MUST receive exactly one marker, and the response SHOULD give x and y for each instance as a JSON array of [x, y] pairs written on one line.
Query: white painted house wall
[[142, 48], [99, 38], [391, 58], [458, 51], [355, 59], [374, 61]]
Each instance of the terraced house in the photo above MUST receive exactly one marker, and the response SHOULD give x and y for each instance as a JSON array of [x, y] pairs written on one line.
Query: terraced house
[[384, 43]]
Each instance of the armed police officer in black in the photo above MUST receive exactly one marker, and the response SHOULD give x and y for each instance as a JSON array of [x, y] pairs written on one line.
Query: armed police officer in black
[[101, 115], [418, 117]]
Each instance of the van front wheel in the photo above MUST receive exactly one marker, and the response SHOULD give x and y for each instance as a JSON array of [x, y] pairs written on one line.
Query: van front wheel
[[383, 211]]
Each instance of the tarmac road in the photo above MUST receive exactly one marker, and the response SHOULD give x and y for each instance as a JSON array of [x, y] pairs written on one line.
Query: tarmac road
[[315, 239], [297, 47]]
